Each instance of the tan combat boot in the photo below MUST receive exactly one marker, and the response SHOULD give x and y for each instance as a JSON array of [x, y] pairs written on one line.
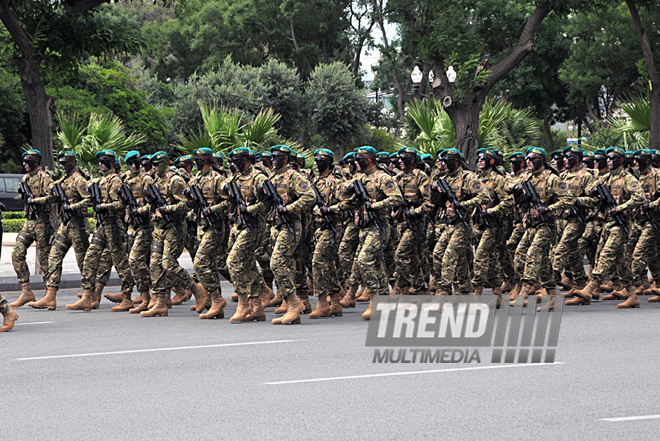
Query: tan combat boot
[[266, 294], [396, 291], [95, 300], [217, 309], [433, 286], [234, 298], [550, 306], [292, 316], [516, 290], [631, 302], [159, 309], [84, 304], [497, 292], [179, 295], [524, 291], [304, 298], [10, 318], [201, 297], [608, 286], [257, 313], [619, 293], [478, 290], [144, 304], [540, 293], [366, 315], [363, 295], [566, 283], [48, 302], [654, 299], [335, 308], [275, 301], [138, 299], [322, 309], [115, 298], [283, 308], [651, 290], [242, 310], [349, 299], [508, 286], [644, 285], [125, 305], [26, 296], [583, 296]]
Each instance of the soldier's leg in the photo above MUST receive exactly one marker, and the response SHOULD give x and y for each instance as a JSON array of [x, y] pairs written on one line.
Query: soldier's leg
[[206, 268], [483, 257], [160, 281], [43, 234], [173, 247], [438, 254], [244, 275], [282, 262], [347, 249], [23, 241], [60, 246], [645, 251], [324, 270], [90, 269], [116, 239], [457, 243], [406, 260]]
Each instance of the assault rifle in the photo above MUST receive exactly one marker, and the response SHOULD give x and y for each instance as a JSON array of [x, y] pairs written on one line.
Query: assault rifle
[[157, 202], [323, 207], [447, 194], [407, 215], [607, 203], [537, 204], [97, 200], [365, 201], [129, 200], [269, 189], [236, 198], [197, 197], [26, 193], [64, 206]]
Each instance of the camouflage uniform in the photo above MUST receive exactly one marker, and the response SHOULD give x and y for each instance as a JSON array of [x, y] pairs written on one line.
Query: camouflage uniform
[[566, 255], [75, 233], [416, 190], [368, 267], [486, 266], [645, 253], [110, 235], [39, 230], [139, 241], [450, 252]]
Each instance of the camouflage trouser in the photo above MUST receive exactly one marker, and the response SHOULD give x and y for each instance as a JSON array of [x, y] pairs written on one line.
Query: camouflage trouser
[[206, 262], [282, 261], [368, 266], [347, 249], [4, 305], [407, 257], [612, 257], [110, 235], [633, 237], [645, 254], [537, 257], [427, 251], [303, 255], [241, 260], [33, 230], [589, 241], [324, 268], [166, 247], [449, 253], [190, 237], [105, 268], [512, 245], [138, 257], [486, 268], [67, 236], [263, 253], [567, 256], [388, 252]]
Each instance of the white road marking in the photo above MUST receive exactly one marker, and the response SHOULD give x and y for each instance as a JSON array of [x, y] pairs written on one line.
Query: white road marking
[[631, 418], [395, 374], [137, 351], [33, 323]]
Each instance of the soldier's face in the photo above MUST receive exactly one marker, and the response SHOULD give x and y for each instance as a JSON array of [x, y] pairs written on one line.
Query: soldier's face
[[322, 163], [558, 162], [67, 166], [570, 161], [614, 161], [106, 163], [280, 160], [516, 165], [238, 164], [363, 162], [484, 162], [451, 164], [642, 163], [352, 167], [407, 162], [162, 166], [534, 162], [134, 165], [29, 163]]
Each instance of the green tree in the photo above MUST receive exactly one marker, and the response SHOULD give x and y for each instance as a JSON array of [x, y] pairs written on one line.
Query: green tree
[[337, 108]]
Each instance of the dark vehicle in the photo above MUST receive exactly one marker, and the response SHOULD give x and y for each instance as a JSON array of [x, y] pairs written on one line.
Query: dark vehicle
[[9, 193]]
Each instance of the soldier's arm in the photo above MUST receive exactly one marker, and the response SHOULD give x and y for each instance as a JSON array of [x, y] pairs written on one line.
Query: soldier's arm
[[303, 190], [45, 189], [587, 183], [177, 189], [80, 187], [560, 189], [474, 188], [506, 199], [656, 194], [345, 200], [636, 194], [115, 204], [424, 192], [257, 207], [393, 196]]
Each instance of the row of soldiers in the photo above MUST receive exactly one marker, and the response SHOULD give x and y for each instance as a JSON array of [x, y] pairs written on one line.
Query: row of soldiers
[[375, 220]]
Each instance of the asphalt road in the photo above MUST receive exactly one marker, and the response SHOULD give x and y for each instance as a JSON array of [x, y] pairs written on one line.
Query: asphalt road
[[103, 375]]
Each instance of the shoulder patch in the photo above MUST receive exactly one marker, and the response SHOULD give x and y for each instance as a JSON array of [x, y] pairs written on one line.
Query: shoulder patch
[[563, 187], [476, 185], [634, 185], [390, 185], [304, 185]]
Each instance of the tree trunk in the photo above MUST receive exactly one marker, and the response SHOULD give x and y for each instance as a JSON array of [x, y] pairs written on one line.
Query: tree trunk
[[548, 132], [40, 109], [465, 118], [654, 136]]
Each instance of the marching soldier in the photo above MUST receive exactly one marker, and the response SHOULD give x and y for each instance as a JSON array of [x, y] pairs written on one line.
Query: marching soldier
[[9, 315], [74, 233], [37, 225], [297, 198], [110, 233]]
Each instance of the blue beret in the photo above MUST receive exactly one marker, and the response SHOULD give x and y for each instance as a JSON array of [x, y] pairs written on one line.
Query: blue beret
[[394, 155], [66, 154], [147, 157], [574, 149], [106, 152], [486, 152], [382, 155], [452, 152], [349, 155], [239, 151], [31, 152], [281, 148], [407, 150], [264, 154], [325, 152], [132, 154], [365, 149], [181, 159], [617, 150], [644, 152], [557, 153], [427, 156], [516, 155], [600, 152], [537, 150], [159, 157], [203, 151]]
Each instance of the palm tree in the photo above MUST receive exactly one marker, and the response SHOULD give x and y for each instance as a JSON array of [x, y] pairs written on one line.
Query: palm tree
[[635, 128], [101, 132], [500, 126]]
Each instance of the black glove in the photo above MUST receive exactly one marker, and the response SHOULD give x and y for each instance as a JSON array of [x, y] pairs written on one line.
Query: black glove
[[325, 211], [542, 210], [243, 208], [281, 209], [207, 213], [613, 210], [368, 206], [646, 207]]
